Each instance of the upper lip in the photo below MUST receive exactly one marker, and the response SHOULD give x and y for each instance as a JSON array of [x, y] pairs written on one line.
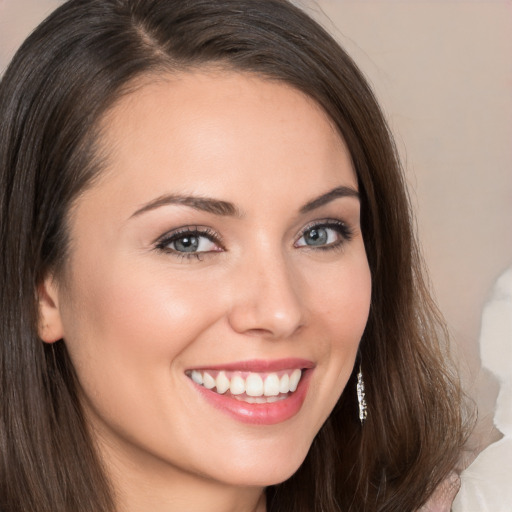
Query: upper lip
[[261, 365]]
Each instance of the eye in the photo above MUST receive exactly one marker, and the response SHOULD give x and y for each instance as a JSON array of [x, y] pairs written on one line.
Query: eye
[[324, 235], [189, 242], [192, 243]]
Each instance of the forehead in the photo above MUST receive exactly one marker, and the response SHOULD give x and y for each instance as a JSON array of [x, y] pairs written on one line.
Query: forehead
[[217, 132]]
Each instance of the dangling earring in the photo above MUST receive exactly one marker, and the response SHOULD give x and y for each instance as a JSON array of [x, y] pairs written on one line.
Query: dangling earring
[[361, 396]]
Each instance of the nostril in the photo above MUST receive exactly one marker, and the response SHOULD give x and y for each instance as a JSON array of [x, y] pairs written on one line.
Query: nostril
[[258, 332]]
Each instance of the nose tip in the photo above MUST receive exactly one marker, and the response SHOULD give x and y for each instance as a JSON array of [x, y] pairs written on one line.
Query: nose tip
[[250, 319], [267, 304]]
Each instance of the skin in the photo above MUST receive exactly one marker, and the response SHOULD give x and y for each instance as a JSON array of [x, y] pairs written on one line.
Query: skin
[[135, 317]]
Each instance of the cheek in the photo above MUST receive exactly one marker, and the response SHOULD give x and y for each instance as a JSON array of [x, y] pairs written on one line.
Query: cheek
[[341, 301], [122, 319], [341, 313]]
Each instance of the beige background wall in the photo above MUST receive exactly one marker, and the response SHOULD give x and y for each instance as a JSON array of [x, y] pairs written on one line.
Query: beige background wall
[[443, 72]]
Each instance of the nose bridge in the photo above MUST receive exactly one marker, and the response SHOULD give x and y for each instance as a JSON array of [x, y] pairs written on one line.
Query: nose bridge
[[266, 299]]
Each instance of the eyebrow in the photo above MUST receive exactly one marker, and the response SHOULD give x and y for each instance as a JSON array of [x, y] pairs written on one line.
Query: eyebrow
[[205, 204], [335, 193], [227, 209]]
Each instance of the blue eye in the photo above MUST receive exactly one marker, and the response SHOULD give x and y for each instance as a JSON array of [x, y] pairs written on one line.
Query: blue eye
[[189, 242], [325, 235], [192, 243], [320, 236]]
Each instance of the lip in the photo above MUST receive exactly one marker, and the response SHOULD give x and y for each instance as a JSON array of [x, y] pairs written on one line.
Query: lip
[[260, 414], [261, 365]]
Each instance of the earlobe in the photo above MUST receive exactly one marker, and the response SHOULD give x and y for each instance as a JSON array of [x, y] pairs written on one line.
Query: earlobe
[[50, 327]]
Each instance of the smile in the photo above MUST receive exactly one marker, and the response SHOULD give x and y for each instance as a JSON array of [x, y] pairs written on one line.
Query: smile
[[250, 387], [258, 392]]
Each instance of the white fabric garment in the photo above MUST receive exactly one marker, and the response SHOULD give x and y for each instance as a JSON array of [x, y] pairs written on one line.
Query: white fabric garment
[[487, 482]]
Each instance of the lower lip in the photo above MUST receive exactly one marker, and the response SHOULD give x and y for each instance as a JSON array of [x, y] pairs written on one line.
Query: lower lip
[[260, 414]]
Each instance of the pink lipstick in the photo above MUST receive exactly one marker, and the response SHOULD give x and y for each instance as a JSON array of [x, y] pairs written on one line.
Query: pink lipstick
[[264, 392]]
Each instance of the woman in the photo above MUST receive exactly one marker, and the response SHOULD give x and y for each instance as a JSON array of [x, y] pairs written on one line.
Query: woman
[[211, 293]]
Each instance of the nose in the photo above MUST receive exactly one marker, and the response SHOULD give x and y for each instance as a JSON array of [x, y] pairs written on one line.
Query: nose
[[266, 299]]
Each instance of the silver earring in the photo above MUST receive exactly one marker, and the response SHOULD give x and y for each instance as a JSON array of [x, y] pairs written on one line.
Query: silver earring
[[363, 412]]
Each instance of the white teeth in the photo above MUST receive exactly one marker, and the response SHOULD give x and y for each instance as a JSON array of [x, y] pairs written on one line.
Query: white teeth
[[284, 384], [197, 377], [294, 380], [260, 399], [222, 383], [208, 381], [271, 387], [237, 386], [254, 385], [255, 400]]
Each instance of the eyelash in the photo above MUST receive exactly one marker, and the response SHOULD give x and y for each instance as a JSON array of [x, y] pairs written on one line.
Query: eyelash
[[345, 232], [162, 244]]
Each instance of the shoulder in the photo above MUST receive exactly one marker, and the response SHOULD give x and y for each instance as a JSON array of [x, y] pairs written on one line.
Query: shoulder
[[442, 498]]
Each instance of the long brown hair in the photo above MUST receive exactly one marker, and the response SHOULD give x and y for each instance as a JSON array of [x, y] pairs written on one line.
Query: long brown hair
[[61, 82]]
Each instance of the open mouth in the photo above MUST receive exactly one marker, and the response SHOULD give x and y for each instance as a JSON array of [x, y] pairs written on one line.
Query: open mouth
[[261, 392], [249, 387]]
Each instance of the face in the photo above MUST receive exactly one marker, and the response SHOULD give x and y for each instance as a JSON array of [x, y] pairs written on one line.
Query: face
[[217, 285]]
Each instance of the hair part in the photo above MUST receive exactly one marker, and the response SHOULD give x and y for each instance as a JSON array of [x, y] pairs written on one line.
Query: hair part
[[58, 88]]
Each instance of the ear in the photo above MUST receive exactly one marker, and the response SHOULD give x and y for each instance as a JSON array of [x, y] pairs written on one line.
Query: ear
[[50, 323]]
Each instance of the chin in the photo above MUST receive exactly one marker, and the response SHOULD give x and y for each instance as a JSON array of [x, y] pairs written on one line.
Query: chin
[[265, 473]]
